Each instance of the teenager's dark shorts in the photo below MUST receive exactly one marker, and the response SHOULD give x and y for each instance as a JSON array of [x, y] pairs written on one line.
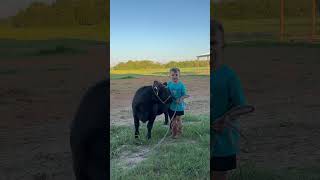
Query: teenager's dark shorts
[[178, 113], [225, 163]]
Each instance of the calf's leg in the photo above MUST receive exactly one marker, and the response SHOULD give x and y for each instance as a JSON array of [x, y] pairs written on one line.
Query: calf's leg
[[166, 118], [136, 126], [149, 126]]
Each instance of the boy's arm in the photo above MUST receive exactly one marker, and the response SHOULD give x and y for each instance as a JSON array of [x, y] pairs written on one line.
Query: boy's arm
[[236, 97], [235, 90], [184, 92]]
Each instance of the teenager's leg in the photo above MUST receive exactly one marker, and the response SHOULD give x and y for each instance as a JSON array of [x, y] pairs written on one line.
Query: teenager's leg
[[219, 175]]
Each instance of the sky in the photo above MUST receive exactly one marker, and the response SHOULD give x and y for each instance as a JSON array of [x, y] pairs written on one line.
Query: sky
[[11, 7], [159, 30]]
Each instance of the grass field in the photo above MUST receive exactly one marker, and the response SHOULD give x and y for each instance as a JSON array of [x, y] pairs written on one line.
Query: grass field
[[183, 158], [249, 171], [162, 72], [268, 29], [282, 132], [26, 48], [97, 33], [38, 96]]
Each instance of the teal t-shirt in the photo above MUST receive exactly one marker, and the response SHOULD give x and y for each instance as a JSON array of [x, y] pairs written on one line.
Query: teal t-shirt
[[225, 93], [177, 90]]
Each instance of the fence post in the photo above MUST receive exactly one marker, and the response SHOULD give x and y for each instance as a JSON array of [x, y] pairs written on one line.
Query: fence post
[[314, 14], [212, 9], [281, 20]]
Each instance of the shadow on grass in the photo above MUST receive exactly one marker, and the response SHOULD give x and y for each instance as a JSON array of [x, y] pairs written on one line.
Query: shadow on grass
[[59, 49], [8, 72], [59, 69], [22, 48], [270, 43], [249, 171]]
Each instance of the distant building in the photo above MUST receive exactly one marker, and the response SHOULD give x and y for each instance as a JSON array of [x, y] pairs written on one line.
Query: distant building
[[204, 57]]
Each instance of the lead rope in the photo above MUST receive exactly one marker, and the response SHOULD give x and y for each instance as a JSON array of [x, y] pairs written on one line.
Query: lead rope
[[162, 139], [155, 93], [249, 108], [232, 127]]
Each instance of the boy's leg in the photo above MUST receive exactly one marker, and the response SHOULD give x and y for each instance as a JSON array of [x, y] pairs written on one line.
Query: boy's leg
[[221, 165], [174, 127], [170, 113], [179, 122]]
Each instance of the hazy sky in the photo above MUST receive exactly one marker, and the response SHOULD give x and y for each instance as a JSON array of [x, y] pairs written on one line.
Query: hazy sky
[[160, 30], [11, 7]]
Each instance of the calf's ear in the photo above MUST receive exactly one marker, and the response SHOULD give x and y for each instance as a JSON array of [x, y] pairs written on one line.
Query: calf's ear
[[156, 90], [155, 83], [155, 87]]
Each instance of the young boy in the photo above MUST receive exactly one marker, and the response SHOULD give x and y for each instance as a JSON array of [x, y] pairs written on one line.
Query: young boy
[[176, 109], [226, 93]]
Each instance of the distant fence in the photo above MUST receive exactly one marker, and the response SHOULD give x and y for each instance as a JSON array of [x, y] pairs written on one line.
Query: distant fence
[[269, 20]]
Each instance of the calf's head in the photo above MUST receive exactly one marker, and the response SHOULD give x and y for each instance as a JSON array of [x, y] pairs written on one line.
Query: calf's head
[[162, 92]]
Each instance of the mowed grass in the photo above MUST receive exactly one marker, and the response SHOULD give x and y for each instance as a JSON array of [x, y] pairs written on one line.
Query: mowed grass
[[248, 171], [183, 158], [96, 32], [268, 29], [124, 76], [24, 48], [163, 71]]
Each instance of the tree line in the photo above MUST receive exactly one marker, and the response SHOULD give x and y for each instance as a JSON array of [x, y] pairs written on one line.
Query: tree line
[[62, 13], [148, 64]]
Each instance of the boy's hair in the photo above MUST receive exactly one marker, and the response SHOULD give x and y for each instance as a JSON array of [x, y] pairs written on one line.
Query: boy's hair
[[175, 70], [215, 28]]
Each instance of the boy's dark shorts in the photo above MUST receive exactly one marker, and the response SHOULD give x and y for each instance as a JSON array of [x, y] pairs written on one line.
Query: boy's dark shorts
[[225, 163], [178, 113]]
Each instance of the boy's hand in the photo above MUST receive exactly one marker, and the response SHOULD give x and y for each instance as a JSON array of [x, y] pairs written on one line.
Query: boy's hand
[[220, 124], [178, 100], [218, 127]]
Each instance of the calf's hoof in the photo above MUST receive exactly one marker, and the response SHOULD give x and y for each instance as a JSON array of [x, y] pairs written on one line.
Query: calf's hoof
[[136, 135]]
